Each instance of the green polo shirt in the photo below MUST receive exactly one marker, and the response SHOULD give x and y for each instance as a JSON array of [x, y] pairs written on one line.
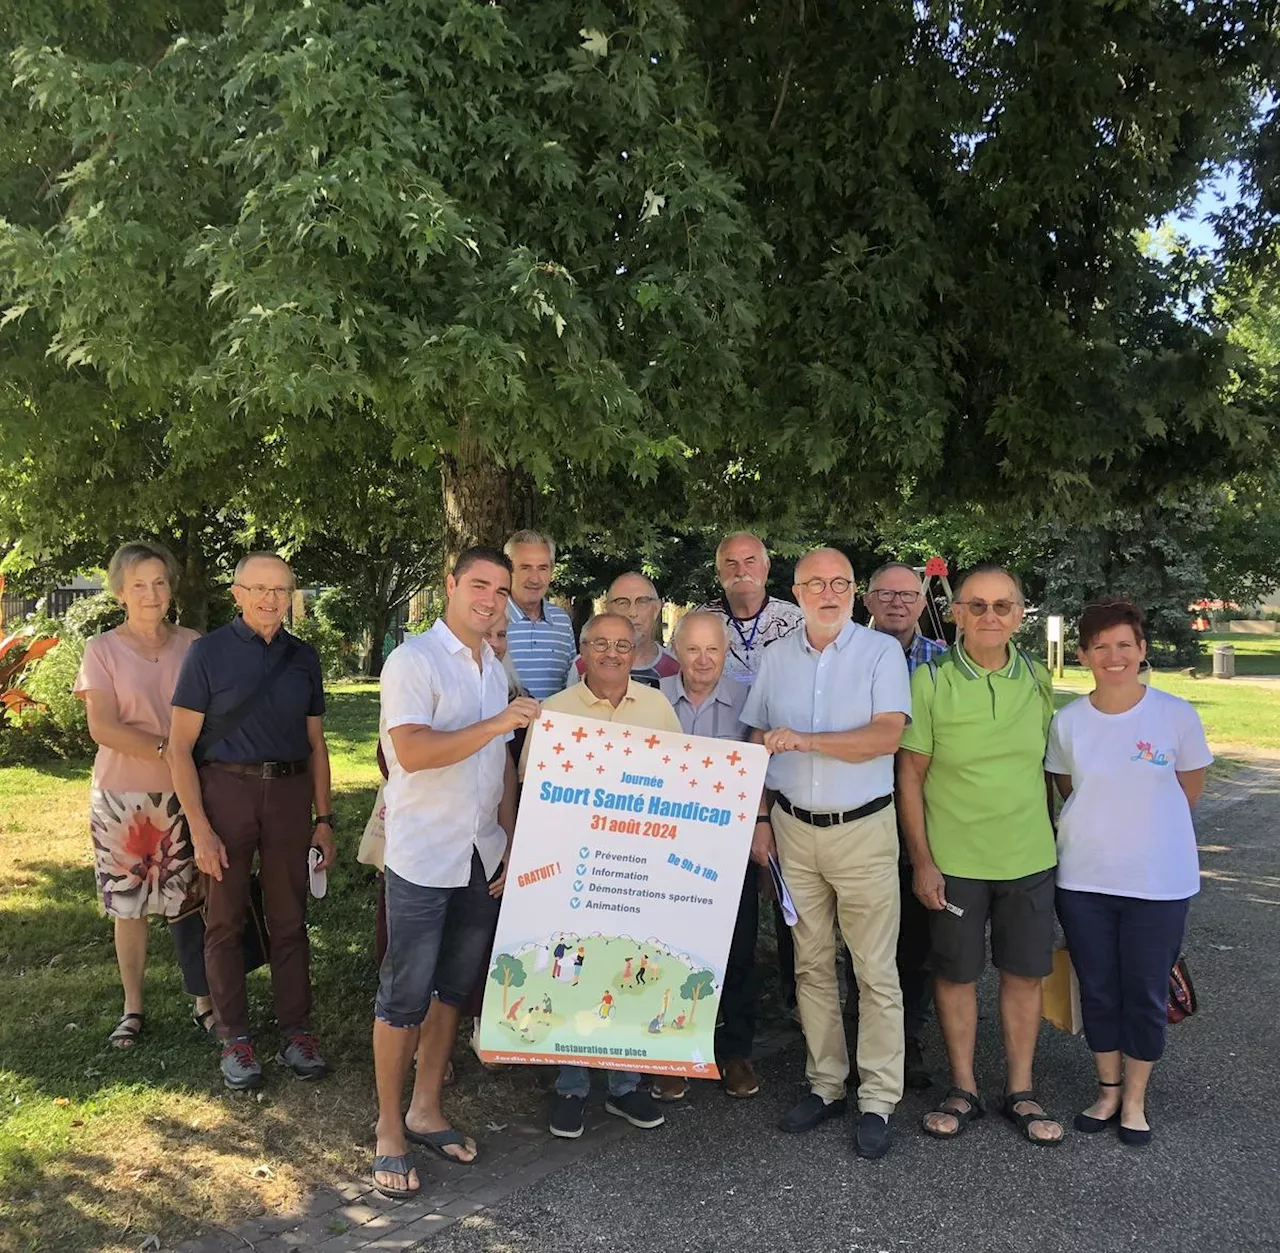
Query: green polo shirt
[[985, 732]]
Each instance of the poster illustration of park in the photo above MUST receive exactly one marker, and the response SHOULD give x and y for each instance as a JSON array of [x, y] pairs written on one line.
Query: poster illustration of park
[[625, 877]]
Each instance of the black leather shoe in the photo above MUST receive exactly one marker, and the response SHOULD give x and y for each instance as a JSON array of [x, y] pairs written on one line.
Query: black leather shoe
[[809, 1112], [915, 1073], [874, 1136]]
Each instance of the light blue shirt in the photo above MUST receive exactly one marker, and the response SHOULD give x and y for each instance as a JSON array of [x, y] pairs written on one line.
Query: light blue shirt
[[861, 673], [720, 714], [542, 652]]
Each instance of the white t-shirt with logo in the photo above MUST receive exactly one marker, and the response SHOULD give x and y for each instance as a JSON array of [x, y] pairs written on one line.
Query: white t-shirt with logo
[[1126, 828]]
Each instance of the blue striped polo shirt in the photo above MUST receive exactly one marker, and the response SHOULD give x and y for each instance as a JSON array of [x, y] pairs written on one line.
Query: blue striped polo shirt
[[542, 651]]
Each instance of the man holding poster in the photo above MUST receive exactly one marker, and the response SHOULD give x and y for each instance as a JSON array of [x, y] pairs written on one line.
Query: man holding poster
[[450, 814], [708, 702], [607, 693], [830, 704]]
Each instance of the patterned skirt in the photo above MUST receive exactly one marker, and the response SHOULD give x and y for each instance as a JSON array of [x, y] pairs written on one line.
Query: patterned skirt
[[143, 853]]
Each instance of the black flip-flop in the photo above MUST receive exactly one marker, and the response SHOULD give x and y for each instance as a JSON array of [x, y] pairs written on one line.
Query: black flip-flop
[[395, 1164], [437, 1141], [1023, 1121], [125, 1036]]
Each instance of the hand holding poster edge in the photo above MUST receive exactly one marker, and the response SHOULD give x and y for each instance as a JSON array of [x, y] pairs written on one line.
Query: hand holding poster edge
[[626, 872]]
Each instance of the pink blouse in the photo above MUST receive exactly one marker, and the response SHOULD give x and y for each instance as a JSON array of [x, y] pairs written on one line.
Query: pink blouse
[[143, 690]]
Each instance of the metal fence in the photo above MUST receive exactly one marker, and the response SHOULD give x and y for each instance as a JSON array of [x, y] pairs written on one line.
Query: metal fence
[[14, 608]]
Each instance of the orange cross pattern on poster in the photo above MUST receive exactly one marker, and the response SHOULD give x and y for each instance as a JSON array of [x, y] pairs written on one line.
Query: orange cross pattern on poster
[[567, 766], [557, 748], [734, 757], [652, 741], [579, 735]]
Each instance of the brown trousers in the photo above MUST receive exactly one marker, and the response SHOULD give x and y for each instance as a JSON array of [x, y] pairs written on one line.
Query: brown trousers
[[272, 818]]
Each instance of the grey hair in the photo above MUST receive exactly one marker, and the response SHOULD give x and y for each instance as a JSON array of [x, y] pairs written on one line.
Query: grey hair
[[817, 552], [653, 587], [706, 615], [530, 537], [596, 619], [133, 553], [890, 565], [254, 556], [733, 535]]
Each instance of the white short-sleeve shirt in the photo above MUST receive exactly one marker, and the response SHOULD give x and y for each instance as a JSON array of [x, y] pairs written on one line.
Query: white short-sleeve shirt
[[1126, 828], [436, 817]]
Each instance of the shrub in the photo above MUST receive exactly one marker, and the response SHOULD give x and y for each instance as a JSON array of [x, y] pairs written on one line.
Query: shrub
[[337, 657], [55, 727], [91, 615]]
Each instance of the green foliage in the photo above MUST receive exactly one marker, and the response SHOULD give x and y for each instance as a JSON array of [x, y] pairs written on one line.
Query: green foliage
[[337, 657], [1153, 556], [54, 726], [91, 615], [340, 609], [50, 681]]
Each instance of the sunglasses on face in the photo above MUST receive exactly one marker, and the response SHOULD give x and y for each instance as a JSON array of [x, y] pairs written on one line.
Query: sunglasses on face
[[1002, 608]]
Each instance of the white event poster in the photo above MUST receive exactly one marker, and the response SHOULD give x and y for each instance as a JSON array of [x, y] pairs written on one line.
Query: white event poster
[[625, 877]]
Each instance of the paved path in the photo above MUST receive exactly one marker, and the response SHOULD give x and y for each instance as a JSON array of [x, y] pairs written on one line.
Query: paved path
[[719, 1175]]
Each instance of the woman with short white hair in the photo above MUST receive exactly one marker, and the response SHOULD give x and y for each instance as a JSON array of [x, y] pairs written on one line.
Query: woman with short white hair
[[143, 856]]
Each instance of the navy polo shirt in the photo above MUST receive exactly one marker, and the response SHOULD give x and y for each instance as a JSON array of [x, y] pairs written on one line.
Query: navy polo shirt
[[223, 667]]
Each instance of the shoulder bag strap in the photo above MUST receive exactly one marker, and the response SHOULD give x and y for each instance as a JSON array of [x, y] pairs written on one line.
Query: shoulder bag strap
[[215, 730]]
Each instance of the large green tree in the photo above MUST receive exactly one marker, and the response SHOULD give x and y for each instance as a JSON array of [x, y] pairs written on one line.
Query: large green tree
[[957, 308], [639, 267], [492, 228]]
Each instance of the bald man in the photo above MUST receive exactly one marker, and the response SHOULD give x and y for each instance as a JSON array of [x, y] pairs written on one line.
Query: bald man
[[634, 597], [830, 704]]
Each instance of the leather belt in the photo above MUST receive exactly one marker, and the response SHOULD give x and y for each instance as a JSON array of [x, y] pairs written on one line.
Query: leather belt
[[262, 769], [834, 820]]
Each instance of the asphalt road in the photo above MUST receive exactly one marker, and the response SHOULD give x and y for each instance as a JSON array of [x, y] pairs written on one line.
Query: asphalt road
[[720, 1176]]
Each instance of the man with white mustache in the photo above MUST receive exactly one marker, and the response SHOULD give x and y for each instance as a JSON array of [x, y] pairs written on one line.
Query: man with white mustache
[[754, 618]]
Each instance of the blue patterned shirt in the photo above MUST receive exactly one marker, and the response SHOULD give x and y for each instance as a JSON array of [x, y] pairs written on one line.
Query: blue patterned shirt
[[922, 651]]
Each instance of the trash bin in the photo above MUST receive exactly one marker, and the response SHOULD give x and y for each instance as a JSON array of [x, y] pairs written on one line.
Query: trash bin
[[1224, 661]]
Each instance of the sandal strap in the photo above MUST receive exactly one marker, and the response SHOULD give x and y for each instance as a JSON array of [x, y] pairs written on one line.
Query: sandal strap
[[1101, 1084], [974, 1100]]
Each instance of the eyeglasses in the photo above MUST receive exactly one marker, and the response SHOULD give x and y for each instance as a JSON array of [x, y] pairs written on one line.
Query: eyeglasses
[[1003, 608], [621, 647], [886, 596], [260, 589], [815, 587], [623, 603]]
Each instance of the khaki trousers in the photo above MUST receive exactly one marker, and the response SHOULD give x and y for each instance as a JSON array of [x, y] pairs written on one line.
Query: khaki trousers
[[847, 874]]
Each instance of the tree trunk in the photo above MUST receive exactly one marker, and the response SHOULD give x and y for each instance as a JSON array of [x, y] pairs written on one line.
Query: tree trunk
[[191, 595], [484, 502], [379, 622]]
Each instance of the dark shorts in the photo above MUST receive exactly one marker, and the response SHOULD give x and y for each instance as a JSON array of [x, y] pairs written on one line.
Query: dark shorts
[[437, 944], [1021, 914]]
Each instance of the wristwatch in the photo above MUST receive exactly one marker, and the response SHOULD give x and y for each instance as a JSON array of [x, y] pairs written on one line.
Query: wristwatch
[[328, 819]]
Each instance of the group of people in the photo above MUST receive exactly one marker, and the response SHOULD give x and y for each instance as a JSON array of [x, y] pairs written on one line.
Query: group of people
[[906, 801]]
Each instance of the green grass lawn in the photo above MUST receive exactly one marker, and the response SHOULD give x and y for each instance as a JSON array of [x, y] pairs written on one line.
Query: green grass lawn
[[1235, 715], [100, 1148], [1255, 654]]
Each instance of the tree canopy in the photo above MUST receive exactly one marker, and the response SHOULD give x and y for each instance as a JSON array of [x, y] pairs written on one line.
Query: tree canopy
[[631, 270]]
